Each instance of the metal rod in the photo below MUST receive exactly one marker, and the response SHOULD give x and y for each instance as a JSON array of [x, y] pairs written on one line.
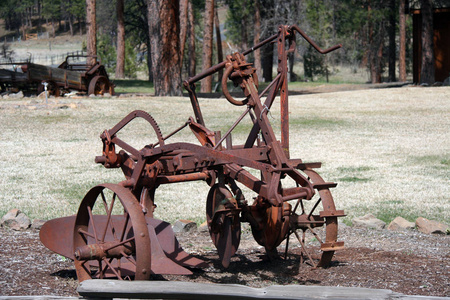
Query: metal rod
[[232, 127]]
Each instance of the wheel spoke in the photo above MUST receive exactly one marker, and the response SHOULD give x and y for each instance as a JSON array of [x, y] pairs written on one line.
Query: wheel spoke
[[91, 218], [128, 257], [119, 244], [111, 267], [314, 208], [304, 249], [85, 233], [127, 219], [315, 234]]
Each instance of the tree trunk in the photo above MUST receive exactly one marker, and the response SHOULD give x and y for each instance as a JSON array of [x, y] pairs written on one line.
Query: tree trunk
[[91, 29], [81, 27], [183, 26], [120, 65], [164, 31], [206, 83], [244, 37], [149, 60], [219, 45], [24, 26], [53, 28], [257, 36], [427, 66], [267, 62], [402, 41], [392, 44], [192, 62], [71, 24]]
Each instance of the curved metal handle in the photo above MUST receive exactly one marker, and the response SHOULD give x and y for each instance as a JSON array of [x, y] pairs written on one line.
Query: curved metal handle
[[308, 39], [225, 91]]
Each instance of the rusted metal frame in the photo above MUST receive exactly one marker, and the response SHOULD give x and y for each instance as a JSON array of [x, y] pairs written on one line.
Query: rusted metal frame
[[276, 155], [303, 34], [232, 128], [219, 157], [131, 116], [165, 179], [243, 176], [174, 132], [190, 87], [195, 162], [284, 105], [268, 103], [134, 152]]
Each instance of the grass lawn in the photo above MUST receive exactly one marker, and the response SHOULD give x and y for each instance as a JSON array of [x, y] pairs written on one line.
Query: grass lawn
[[388, 149]]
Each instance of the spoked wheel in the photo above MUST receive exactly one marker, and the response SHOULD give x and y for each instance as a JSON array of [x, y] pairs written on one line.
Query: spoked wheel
[[314, 223], [111, 239], [223, 222], [99, 85]]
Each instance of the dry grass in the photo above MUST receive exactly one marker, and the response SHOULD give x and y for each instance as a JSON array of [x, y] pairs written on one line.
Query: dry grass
[[387, 149]]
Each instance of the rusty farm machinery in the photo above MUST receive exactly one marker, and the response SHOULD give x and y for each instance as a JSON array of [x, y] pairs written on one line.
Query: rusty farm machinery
[[114, 234], [74, 73]]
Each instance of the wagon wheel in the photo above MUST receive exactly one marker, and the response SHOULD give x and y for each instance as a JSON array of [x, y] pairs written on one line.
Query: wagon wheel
[[314, 224], [52, 88], [223, 222], [99, 85], [111, 238]]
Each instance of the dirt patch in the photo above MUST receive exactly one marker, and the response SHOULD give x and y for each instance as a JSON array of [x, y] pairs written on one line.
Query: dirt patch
[[405, 262]]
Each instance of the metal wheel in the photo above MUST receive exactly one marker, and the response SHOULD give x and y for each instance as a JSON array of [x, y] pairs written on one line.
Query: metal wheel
[[111, 239], [273, 224], [52, 88], [99, 85], [314, 224], [223, 222]]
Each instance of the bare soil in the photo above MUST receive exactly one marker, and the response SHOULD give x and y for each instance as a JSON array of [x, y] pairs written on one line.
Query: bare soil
[[406, 262]]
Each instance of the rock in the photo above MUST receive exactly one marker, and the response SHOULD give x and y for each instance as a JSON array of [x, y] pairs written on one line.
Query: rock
[[18, 95], [446, 82], [16, 220], [107, 95], [368, 221], [184, 226], [399, 224], [431, 227], [41, 95], [37, 224]]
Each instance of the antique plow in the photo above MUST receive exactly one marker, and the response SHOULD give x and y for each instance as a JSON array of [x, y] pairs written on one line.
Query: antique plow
[[114, 233]]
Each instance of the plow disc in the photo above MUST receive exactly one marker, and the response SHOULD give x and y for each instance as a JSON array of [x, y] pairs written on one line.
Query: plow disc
[[128, 245]]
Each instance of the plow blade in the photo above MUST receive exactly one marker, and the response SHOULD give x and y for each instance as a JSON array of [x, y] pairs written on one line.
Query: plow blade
[[168, 257]]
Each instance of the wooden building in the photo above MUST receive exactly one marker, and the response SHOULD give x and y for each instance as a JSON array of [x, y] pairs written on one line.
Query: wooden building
[[441, 41]]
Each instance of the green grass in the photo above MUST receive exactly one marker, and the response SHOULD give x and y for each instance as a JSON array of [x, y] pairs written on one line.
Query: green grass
[[315, 122], [133, 86], [355, 169], [436, 160], [354, 179]]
